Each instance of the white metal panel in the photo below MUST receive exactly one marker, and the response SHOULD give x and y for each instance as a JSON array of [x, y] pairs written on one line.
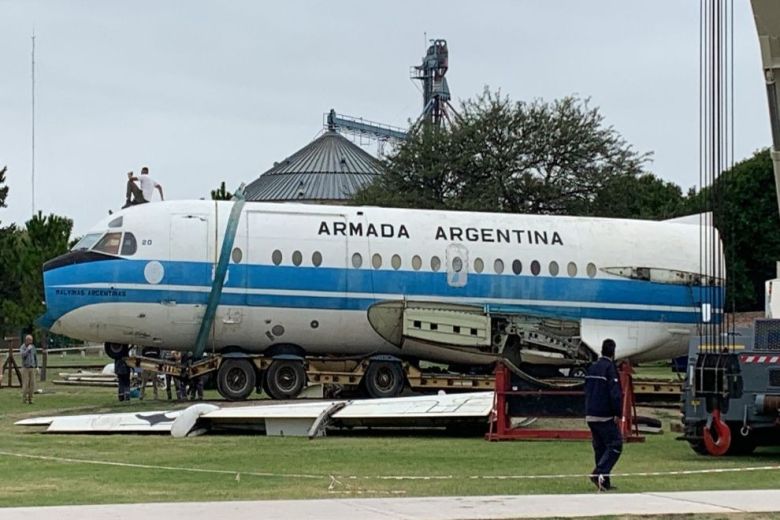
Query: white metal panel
[[287, 410], [472, 404], [143, 422]]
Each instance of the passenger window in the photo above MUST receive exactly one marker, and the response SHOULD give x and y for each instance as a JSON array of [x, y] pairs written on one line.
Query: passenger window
[[553, 268], [435, 263], [276, 257], [479, 265], [416, 263], [357, 260], [109, 243], [316, 259], [498, 266], [396, 262], [376, 260], [517, 267], [591, 270], [571, 269], [237, 254], [536, 268], [457, 264], [297, 258], [129, 245]]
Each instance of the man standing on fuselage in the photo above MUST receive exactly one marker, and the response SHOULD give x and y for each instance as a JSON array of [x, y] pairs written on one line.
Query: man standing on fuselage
[[603, 410]]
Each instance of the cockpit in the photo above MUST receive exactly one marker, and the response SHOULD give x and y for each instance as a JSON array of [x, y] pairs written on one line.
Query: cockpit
[[110, 242], [113, 243]]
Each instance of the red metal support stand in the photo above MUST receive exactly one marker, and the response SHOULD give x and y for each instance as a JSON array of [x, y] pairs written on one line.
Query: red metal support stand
[[628, 425], [501, 428]]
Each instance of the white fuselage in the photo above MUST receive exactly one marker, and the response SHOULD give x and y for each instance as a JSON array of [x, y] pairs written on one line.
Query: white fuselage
[[306, 274]]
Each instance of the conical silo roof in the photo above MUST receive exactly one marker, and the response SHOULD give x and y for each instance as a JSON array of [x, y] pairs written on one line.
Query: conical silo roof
[[329, 169]]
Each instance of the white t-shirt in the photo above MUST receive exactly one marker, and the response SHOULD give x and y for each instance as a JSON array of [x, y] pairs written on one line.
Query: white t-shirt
[[147, 186]]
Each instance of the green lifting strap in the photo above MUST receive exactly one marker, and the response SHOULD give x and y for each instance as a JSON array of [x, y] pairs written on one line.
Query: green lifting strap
[[219, 273]]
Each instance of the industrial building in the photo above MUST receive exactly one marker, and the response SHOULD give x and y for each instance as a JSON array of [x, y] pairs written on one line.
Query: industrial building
[[329, 170]]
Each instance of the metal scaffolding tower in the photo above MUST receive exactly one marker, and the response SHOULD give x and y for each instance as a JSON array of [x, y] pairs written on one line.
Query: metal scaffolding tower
[[436, 92]]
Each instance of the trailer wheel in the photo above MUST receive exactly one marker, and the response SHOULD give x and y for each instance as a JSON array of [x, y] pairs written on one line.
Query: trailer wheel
[[236, 379], [116, 350], [384, 379], [285, 379]]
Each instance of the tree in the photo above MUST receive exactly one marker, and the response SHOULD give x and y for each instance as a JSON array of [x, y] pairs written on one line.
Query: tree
[[643, 197], [221, 193], [744, 207], [9, 284], [529, 157], [24, 252], [3, 189]]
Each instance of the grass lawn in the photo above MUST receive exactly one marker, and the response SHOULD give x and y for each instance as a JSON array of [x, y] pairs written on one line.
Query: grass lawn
[[357, 464]]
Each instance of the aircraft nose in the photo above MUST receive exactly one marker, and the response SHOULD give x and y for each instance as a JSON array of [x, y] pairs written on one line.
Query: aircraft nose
[[45, 320]]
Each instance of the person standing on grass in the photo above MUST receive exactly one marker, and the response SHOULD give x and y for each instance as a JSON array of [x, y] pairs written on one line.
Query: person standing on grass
[[29, 364], [122, 372], [170, 380], [603, 411], [148, 376]]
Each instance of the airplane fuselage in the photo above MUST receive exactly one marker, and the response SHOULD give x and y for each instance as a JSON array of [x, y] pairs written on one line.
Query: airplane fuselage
[[305, 275]]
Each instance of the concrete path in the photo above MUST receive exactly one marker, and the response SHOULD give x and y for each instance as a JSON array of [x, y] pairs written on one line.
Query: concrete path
[[438, 508]]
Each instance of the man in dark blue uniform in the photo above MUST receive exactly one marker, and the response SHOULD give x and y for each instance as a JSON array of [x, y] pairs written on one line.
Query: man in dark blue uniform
[[603, 409]]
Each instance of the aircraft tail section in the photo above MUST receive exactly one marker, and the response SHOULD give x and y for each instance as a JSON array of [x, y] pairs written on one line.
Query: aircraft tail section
[[694, 219]]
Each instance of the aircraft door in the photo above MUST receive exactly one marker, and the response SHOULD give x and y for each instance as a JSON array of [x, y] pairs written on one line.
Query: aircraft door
[[189, 238], [189, 266], [457, 265]]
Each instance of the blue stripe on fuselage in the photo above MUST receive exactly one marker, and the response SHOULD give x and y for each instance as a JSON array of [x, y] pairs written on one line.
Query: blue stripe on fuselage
[[420, 285]]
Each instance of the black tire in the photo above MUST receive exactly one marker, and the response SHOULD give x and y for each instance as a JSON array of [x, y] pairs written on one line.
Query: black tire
[[695, 433], [152, 352], [384, 379], [284, 379], [236, 379], [116, 350], [699, 447]]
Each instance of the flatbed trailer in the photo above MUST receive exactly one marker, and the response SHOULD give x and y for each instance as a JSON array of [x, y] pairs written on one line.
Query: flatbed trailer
[[284, 376]]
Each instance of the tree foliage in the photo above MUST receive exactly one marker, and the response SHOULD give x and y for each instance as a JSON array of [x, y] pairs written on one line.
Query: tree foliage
[[527, 157], [3, 189], [744, 205], [24, 252], [642, 196], [221, 193]]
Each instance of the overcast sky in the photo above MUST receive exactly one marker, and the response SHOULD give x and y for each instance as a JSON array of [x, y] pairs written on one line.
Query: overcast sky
[[208, 91]]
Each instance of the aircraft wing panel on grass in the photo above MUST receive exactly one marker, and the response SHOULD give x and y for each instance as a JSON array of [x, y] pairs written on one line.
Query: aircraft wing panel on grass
[[296, 410], [477, 404], [294, 418]]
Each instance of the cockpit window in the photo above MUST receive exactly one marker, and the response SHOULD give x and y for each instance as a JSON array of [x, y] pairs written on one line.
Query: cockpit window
[[129, 245], [117, 222], [109, 244], [87, 241]]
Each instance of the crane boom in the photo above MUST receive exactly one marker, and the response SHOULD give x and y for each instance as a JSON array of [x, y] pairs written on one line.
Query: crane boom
[[767, 17]]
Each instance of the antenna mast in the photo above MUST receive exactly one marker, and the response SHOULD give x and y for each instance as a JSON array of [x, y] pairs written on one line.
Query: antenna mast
[[33, 123]]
